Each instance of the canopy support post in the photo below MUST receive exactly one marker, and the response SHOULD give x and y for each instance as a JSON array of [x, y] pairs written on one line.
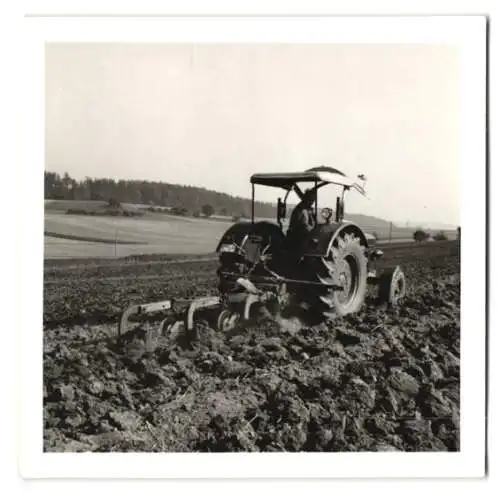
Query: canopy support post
[[253, 202], [316, 200]]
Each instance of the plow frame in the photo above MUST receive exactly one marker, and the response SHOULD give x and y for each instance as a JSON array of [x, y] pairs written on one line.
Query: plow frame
[[186, 317], [167, 306]]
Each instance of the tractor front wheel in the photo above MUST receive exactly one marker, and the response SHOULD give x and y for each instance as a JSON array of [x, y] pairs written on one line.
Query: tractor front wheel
[[392, 286]]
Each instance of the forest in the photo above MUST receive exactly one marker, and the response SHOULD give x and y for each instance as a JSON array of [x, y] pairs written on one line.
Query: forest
[[181, 197]]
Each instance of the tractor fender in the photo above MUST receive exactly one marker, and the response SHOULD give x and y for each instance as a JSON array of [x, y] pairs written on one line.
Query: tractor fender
[[324, 236], [237, 232]]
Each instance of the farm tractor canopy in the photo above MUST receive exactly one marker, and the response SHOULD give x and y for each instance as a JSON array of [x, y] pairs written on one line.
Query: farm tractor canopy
[[324, 271]]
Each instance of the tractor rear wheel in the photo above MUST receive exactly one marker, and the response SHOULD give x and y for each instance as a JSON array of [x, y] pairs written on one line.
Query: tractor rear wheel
[[345, 266]]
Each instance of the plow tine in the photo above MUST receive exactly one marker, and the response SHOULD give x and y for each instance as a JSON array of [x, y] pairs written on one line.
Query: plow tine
[[249, 301], [146, 308], [171, 329], [196, 305]]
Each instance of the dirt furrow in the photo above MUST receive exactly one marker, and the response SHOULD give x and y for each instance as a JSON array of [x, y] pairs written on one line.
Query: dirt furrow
[[382, 379]]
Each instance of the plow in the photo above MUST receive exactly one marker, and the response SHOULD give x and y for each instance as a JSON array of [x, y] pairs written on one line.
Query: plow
[[269, 270]]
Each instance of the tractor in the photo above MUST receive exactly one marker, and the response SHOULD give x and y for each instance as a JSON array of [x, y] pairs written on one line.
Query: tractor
[[326, 272]]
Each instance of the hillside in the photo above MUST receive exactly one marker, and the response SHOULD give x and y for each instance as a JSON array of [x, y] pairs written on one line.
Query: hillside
[[186, 199], [93, 194]]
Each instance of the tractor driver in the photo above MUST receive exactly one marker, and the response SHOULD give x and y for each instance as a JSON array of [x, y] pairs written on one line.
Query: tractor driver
[[302, 220]]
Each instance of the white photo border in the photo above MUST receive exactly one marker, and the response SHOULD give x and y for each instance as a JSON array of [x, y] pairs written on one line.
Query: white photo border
[[467, 32]]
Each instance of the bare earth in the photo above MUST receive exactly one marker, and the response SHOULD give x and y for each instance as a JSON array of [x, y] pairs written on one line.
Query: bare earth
[[383, 379]]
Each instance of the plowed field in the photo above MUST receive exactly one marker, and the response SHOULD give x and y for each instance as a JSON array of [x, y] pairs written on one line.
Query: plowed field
[[382, 379]]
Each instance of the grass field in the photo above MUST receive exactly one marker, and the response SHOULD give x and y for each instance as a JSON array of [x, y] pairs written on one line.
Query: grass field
[[88, 205], [97, 235], [82, 236], [78, 236]]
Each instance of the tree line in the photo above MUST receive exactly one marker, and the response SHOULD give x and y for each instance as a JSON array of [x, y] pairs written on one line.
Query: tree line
[[192, 200]]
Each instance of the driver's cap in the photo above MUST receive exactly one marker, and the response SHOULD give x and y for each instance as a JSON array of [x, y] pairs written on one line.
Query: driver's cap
[[310, 193]]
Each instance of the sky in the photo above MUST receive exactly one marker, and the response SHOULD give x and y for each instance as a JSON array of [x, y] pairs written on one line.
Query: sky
[[211, 115]]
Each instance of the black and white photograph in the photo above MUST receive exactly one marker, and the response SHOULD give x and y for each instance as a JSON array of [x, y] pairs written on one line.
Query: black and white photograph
[[256, 247]]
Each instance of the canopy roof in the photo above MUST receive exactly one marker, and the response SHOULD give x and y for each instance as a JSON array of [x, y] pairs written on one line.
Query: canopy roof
[[319, 175]]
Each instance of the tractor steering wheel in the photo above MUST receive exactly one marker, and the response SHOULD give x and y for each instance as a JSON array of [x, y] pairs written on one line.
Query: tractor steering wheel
[[326, 214]]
